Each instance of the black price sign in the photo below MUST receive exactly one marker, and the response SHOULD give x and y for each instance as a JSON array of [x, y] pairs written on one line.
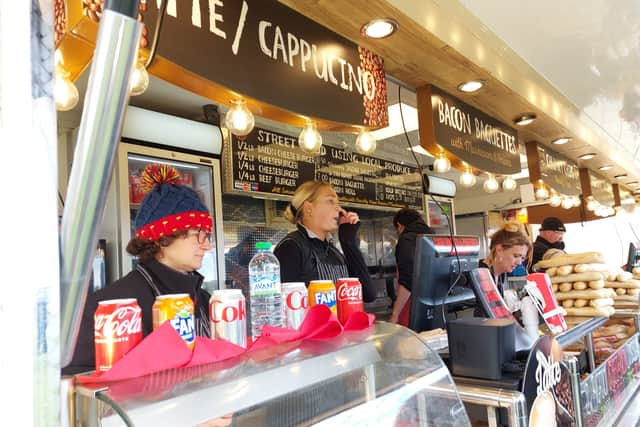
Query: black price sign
[[271, 162]]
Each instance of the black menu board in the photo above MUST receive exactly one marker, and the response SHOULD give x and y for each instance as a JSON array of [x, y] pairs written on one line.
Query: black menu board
[[271, 162]]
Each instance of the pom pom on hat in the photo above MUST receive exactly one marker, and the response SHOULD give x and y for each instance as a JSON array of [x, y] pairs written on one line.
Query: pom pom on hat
[[169, 207]]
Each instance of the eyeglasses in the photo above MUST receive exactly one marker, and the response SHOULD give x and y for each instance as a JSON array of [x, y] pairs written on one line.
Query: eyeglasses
[[202, 236]]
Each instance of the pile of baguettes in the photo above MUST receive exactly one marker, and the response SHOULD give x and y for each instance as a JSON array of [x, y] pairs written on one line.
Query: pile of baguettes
[[586, 287]]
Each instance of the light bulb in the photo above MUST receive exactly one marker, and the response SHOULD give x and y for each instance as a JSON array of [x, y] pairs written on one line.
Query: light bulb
[[139, 81], [576, 201], [509, 184], [555, 200], [567, 203], [310, 139], [592, 204], [542, 193], [365, 142], [467, 179], [491, 184], [239, 119], [65, 93], [441, 164]]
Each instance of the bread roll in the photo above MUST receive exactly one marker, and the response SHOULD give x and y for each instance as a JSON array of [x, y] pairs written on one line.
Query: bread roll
[[571, 259], [601, 302], [596, 284], [554, 287], [568, 303], [580, 286], [580, 303], [630, 284], [564, 270], [591, 311], [624, 276], [583, 268], [633, 292], [586, 294], [611, 275], [565, 287], [627, 298], [578, 277], [552, 271], [621, 291]]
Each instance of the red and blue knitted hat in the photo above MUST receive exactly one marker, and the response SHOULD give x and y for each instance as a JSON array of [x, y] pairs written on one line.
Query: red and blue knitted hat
[[169, 206]]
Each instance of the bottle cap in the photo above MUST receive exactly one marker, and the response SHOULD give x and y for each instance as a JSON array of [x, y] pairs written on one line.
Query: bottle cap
[[263, 245]]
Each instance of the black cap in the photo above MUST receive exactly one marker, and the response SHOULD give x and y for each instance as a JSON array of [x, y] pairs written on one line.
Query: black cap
[[552, 223]]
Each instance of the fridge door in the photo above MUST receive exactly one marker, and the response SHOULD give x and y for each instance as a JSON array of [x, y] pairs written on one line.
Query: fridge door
[[200, 173]]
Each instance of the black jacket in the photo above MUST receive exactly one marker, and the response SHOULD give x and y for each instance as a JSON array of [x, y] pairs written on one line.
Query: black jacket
[[405, 251], [298, 255], [134, 285], [541, 246]]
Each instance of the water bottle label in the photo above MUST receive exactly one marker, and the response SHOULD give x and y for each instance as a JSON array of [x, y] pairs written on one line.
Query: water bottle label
[[265, 285]]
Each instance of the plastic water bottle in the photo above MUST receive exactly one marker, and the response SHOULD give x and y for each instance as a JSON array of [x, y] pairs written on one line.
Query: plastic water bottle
[[265, 291]]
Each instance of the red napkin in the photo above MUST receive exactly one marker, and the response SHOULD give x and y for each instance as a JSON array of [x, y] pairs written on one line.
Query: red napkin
[[319, 323], [359, 321], [210, 351], [162, 349]]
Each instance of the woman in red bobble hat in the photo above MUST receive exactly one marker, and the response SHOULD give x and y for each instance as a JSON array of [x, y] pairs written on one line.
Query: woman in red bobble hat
[[173, 231]]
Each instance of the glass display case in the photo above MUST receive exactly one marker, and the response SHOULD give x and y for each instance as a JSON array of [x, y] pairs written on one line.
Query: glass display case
[[383, 376]]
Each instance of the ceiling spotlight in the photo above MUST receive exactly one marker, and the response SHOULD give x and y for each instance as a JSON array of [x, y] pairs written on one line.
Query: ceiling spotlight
[[605, 167], [491, 184], [592, 204], [509, 184], [379, 28], [441, 164], [542, 193], [587, 156], [561, 141], [576, 201], [467, 179], [471, 86], [525, 119], [621, 176], [555, 200]]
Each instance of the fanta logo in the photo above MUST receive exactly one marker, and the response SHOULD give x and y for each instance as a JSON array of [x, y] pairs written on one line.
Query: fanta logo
[[228, 313], [326, 298], [183, 324], [123, 321], [350, 293], [297, 300]]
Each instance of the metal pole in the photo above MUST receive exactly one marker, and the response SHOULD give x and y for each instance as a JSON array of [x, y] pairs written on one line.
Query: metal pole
[[574, 369], [591, 357], [100, 127], [513, 401]]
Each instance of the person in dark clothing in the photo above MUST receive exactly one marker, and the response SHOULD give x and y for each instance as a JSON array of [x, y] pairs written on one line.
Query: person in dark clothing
[[408, 224], [173, 231], [509, 248], [551, 234], [308, 252]]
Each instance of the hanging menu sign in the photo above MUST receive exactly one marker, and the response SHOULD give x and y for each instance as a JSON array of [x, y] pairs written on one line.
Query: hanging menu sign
[[472, 136], [271, 162], [264, 50], [601, 189], [559, 172]]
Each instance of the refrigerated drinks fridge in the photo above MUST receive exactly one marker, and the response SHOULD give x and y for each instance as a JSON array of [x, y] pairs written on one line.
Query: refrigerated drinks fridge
[[202, 173]]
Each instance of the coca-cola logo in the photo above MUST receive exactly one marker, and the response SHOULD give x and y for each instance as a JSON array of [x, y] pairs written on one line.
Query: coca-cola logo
[[347, 292], [547, 373], [122, 322], [297, 300], [228, 313]]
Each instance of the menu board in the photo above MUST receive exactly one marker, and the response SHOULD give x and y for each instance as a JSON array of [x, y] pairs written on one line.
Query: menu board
[[271, 162]]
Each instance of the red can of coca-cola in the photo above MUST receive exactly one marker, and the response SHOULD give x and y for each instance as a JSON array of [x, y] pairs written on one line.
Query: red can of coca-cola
[[349, 298], [117, 329]]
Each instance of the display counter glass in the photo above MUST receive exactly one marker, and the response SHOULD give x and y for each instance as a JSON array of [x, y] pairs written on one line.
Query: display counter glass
[[383, 376]]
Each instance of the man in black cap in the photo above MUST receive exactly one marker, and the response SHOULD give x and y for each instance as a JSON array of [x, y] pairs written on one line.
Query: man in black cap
[[550, 237]]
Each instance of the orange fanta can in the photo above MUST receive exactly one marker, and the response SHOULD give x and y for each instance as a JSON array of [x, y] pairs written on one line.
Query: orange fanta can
[[323, 292], [178, 309]]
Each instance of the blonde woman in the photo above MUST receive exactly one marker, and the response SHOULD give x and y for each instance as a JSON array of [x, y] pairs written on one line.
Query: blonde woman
[[308, 253]]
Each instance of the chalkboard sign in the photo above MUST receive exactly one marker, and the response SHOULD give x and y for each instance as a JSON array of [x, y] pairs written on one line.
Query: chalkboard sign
[[271, 162]]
